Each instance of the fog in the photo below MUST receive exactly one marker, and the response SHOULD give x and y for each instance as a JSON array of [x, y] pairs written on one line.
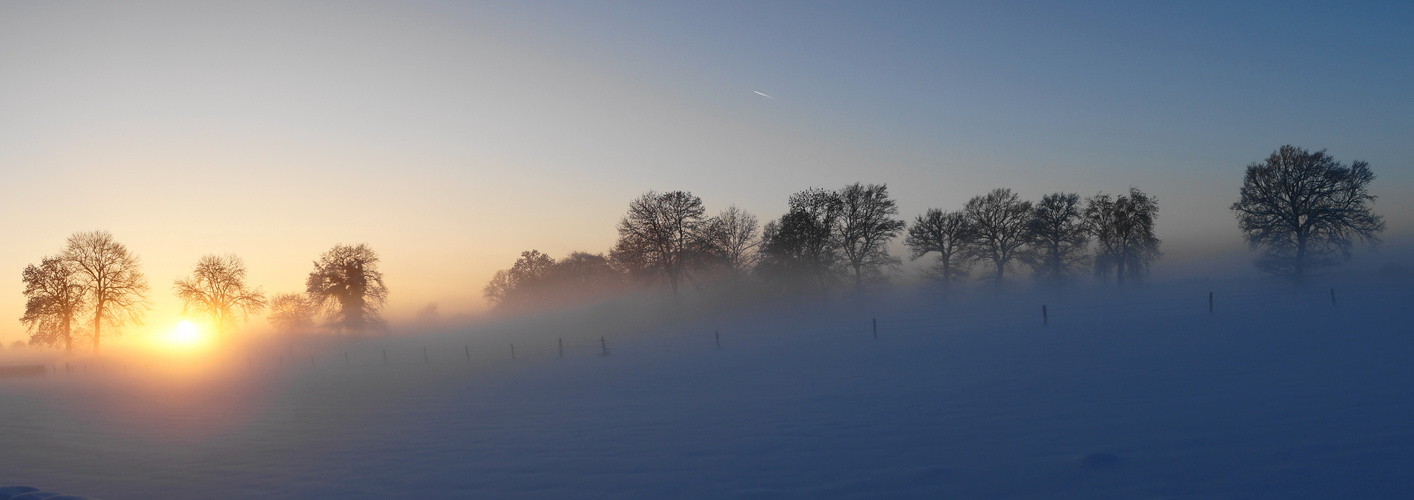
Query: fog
[[1280, 391]]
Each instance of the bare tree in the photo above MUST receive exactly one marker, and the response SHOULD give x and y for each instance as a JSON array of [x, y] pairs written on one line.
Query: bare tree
[[291, 313], [346, 284], [217, 290], [112, 280], [999, 221], [54, 298], [1303, 209], [659, 232], [864, 228], [537, 281], [1057, 238], [733, 238], [521, 283], [1123, 227], [947, 233], [800, 245], [429, 314]]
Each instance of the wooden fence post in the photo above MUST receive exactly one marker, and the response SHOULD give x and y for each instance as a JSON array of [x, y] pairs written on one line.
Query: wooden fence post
[[603, 345], [1332, 297], [1045, 317], [468, 353], [718, 334]]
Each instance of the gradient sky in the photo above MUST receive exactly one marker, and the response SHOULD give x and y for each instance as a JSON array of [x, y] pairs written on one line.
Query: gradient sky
[[452, 136]]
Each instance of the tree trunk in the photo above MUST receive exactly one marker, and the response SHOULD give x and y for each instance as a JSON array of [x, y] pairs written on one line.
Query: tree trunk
[[1119, 269], [673, 282], [97, 326], [1299, 267], [858, 278], [1001, 267]]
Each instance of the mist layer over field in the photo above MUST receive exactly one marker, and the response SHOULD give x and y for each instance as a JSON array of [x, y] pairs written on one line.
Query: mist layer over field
[[1279, 392]]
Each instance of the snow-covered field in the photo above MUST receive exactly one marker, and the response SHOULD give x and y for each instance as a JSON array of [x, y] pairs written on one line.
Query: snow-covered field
[[1278, 394]]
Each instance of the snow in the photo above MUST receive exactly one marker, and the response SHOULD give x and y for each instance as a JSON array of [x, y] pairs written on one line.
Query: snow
[[1140, 394]]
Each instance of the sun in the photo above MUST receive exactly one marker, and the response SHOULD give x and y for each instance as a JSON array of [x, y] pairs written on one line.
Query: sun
[[186, 334]]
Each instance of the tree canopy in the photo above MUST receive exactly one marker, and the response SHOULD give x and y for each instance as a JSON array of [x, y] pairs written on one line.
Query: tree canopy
[[1302, 210]]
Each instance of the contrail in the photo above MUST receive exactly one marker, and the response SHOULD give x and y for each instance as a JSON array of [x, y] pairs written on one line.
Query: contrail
[[758, 92]]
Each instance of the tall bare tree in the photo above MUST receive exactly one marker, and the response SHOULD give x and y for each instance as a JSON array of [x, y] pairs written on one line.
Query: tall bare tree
[[1123, 227], [800, 246], [660, 231], [112, 280], [347, 285], [291, 312], [999, 221], [864, 228], [1304, 209], [217, 289], [947, 233], [1057, 238], [733, 237], [54, 297]]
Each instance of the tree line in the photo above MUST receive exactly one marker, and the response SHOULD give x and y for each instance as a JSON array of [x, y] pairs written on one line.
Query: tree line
[[96, 286], [830, 239], [1300, 211]]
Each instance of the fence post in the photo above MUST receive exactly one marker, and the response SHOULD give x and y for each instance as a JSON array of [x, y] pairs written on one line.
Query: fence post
[[603, 345], [1210, 303], [1332, 297], [513, 351], [385, 356], [1045, 317], [876, 328], [468, 353], [718, 334]]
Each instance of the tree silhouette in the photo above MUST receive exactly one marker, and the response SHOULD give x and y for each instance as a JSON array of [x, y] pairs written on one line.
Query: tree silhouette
[[864, 228], [1057, 238], [217, 290], [537, 281], [520, 284], [733, 238], [291, 312], [112, 280], [346, 284], [54, 297], [1123, 227], [999, 221], [659, 233], [800, 245], [947, 233], [1302, 209]]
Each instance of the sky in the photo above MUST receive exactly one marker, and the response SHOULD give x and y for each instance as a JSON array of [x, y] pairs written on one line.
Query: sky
[[452, 136]]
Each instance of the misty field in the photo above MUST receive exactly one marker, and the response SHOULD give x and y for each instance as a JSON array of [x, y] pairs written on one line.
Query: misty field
[[1278, 393]]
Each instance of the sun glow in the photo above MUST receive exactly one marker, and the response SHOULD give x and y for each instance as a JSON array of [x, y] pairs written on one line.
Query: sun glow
[[187, 334]]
